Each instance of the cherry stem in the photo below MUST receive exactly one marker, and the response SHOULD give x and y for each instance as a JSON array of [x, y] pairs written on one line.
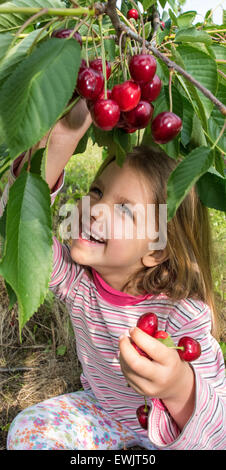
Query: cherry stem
[[171, 72], [103, 57], [121, 56], [146, 405]]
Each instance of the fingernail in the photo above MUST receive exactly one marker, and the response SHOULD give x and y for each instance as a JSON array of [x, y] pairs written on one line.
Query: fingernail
[[131, 330], [121, 336]]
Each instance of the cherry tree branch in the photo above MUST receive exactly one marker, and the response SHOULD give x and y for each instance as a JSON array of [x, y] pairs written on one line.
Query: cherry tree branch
[[110, 9]]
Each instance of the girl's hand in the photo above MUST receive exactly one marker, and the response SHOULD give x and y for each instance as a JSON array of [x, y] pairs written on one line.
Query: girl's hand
[[64, 138], [165, 377]]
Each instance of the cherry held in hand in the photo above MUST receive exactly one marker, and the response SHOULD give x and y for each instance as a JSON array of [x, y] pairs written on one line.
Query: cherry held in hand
[[191, 349], [142, 415], [148, 322]]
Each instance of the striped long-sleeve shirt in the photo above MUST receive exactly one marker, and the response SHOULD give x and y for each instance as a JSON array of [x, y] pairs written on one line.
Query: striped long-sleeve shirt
[[100, 314]]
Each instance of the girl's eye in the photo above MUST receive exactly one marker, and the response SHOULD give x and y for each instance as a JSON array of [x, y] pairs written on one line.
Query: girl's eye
[[94, 189], [126, 210]]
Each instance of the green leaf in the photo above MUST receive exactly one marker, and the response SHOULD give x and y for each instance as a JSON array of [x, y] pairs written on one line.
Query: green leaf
[[5, 41], [188, 114], [162, 3], [148, 3], [192, 35], [36, 93], [11, 294], [167, 341], [61, 350], [109, 46], [185, 175], [173, 17], [27, 262], [15, 20], [15, 55], [212, 191], [203, 68], [122, 145], [186, 19], [216, 121]]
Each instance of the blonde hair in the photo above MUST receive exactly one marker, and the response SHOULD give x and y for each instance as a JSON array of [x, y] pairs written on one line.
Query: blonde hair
[[187, 271]]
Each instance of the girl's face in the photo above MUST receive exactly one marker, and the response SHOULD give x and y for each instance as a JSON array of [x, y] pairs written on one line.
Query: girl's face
[[124, 251]]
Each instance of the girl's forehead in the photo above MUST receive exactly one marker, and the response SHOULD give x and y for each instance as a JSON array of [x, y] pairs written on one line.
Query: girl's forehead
[[131, 182]]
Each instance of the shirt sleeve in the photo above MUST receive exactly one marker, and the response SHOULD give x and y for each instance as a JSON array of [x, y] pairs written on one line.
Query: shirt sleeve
[[205, 430]]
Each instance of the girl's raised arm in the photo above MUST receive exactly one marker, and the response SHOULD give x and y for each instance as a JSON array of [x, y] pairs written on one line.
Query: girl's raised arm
[[64, 139]]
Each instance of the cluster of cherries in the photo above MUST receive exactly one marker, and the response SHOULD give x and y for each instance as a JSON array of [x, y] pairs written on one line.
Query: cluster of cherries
[[129, 104], [188, 349]]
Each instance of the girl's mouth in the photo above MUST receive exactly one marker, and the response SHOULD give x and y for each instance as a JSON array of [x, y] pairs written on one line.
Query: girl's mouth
[[89, 240]]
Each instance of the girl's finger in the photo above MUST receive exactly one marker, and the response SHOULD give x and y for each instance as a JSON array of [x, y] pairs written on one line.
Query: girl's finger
[[156, 350], [133, 363]]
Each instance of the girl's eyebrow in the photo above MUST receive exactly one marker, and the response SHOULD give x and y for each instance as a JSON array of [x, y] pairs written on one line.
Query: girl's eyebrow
[[121, 199]]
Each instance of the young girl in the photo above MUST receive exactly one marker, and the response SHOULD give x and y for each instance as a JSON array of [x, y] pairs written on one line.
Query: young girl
[[107, 287]]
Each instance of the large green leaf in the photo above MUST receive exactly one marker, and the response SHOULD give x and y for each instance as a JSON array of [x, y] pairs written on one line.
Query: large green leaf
[[36, 93], [185, 175], [212, 190], [203, 68], [27, 260], [13, 21], [192, 35]]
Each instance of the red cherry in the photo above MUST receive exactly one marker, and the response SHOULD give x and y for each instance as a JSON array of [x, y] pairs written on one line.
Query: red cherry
[[127, 95], [96, 64], [83, 65], [192, 349], [161, 334], [140, 116], [130, 130], [90, 83], [165, 127], [142, 67], [148, 322], [133, 13], [105, 114], [64, 33], [142, 415], [150, 90], [90, 103], [139, 350]]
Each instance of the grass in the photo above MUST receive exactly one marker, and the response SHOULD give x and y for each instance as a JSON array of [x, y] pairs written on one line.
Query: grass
[[45, 364]]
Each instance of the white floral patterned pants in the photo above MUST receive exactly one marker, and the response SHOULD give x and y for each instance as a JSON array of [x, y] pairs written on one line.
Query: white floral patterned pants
[[70, 422]]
